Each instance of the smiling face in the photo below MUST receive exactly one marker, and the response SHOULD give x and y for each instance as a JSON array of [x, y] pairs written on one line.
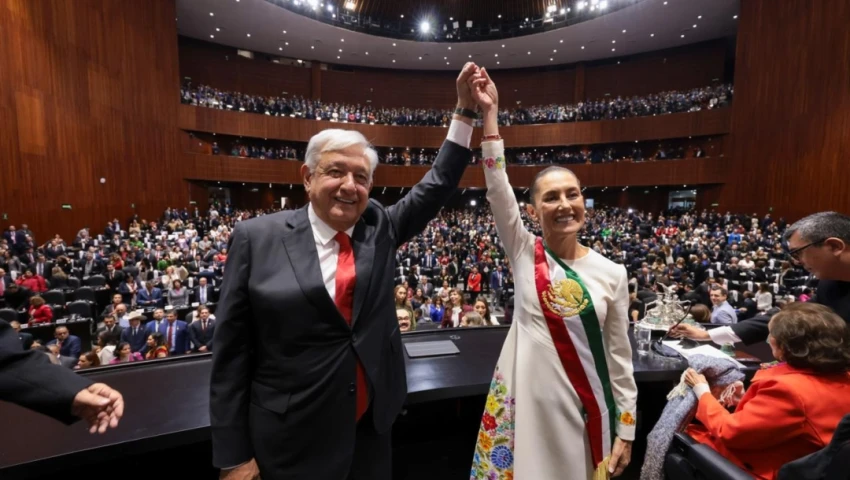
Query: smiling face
[[558, 204], [339, 187]]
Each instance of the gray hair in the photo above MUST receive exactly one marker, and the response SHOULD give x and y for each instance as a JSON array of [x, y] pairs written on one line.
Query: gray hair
[[334, 140], [820, 226]]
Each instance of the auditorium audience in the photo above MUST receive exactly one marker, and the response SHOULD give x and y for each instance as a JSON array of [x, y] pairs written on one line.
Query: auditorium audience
[[124, 354], [704, 98], [156, 346], [792, 407]]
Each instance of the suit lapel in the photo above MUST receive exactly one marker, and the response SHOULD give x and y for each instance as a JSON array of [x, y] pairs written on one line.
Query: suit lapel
[[364, 257], [304, 258]]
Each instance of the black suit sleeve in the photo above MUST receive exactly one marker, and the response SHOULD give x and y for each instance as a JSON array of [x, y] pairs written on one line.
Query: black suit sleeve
[[229, 383], [753, 330], [28, 379], [413, 212]]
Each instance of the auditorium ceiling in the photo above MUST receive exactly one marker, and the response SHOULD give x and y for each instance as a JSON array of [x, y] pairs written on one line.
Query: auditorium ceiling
[[626, 27]]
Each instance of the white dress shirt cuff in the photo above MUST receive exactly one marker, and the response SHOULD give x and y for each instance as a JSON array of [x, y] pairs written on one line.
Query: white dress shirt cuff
[[723, 335], [701, 389], [460, 133]]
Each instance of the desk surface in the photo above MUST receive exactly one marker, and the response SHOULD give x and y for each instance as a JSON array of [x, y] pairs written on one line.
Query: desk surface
[[167, 400]]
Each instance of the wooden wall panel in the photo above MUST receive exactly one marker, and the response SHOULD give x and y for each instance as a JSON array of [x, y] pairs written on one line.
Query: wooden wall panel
[[711, 122], [671, 172], [87, 91], [220, 66], [679, 69], [791, 120]]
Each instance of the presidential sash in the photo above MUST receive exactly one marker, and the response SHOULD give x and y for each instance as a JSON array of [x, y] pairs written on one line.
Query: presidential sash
[[577, 336]]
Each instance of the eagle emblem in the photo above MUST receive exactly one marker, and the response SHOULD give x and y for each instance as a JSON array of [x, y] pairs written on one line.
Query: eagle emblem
[[565, 298]]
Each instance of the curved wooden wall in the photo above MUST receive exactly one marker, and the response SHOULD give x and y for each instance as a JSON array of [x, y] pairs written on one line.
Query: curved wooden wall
[[692, 171], [679, 125]]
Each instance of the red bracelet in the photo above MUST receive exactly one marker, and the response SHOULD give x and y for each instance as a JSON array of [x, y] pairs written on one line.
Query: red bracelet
[[487, 138]]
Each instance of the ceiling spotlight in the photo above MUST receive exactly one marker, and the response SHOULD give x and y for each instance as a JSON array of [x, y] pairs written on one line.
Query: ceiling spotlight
[[212, 36], [349, 5], [340, 50], [217, 29], [561, 41], [735, 17], [624, 30], [499, 16], [555, 51], [613, 41], [498, 63], [450, 48], [603, 4], [286, 43], [425, 27], [447, 63], [683, 35], [212, 14], [551, 8], [470, 56], [451, 19], [613, 49], [503, 45], [582, 47], [529, 53], [699, 17], [563, 11], [665, 3], [249, 35], [312, 47], [551, 59], [393, 60], [420, 58], [330, 8], [337, 57], [445, 58], [280, 48], [284, 32], [367, 53], [497, 54], [394, 44], [695, 25], [651, 34], [402, 16], [580, 5]]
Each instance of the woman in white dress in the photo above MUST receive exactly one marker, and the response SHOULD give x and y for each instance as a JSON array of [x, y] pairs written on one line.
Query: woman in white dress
[[562, 399]]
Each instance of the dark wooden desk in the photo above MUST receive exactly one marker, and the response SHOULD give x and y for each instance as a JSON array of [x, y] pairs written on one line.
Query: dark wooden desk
[[167, 401]]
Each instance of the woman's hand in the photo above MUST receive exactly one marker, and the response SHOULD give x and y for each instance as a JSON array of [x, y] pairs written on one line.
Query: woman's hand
[[484, 91], [621, 455], [692, 378]]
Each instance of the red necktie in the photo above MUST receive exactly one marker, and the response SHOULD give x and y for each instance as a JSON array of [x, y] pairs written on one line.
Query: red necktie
[[344, 299], [170, 335]]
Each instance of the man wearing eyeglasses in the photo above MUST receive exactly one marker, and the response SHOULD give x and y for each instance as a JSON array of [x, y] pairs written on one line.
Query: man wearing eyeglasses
[[821, 244]]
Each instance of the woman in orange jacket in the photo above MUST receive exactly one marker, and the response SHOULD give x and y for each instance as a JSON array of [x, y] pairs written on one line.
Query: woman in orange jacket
[[791, 408], [39, 312]]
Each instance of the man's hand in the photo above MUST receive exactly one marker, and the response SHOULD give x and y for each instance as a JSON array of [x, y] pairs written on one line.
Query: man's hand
[[100, 406], [621, 455], [689, 331], [464, 94], [484, 91], [246, 471]]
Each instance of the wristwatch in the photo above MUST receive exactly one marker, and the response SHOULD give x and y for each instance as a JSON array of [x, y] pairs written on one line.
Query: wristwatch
[[465, 112]]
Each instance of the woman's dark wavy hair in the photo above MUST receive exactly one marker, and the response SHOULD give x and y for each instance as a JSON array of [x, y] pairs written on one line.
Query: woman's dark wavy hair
[[812, 337]]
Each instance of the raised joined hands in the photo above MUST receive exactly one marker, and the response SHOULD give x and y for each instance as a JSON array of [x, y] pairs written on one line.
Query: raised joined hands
[[484, 90]]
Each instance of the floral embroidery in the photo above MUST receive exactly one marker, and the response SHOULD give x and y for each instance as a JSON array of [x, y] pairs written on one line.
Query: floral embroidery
[[491, 163], [626, 418], [494, 453]]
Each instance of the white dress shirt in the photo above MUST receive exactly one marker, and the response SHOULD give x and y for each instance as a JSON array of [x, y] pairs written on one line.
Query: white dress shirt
[[327, 247], [723, 335]]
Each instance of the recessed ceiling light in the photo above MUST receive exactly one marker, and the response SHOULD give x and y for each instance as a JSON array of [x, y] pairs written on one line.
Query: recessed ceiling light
[[393, 60], [451, 19], [695, 25], [562, 41], [624, 30], [394, 44], [217, 29], [447, 63], [249, 35], [555, 51], [551, 59], [651, 34], [665, 3], [497, 54], [582, 47], [340, 50], [342, 40], [402, 16], [613, 49], [683, 35], [699, 17], [529, 53], [503, 45], [286, 43], [212, 14], [312, 47], [280, 48], [450, 48], [284, 32], [367, 53], [445, 58], [735, 17], [498, 63], [420, 58], [212, 36], [613, 41], [499, 16], [618, 62]]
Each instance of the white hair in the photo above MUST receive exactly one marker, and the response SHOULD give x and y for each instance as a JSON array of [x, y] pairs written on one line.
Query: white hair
[[334, 140]]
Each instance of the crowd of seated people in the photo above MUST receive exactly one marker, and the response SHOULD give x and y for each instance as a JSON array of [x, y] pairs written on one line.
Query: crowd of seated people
[[253, 151], [733, 266], [696, 99], [452, 274]]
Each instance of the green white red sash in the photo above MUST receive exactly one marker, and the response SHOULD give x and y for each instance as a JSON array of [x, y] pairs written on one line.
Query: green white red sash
[[577, 335]]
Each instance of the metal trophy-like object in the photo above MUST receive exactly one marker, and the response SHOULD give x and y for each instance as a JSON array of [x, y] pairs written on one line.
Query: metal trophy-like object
[[666, 311]]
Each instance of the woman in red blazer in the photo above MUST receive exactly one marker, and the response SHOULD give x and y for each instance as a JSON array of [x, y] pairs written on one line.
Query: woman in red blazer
[[792, 408], [35, 283], [39, 312]]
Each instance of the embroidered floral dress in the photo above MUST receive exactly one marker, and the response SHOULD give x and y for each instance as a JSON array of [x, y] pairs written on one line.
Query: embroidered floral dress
[[535, 425]]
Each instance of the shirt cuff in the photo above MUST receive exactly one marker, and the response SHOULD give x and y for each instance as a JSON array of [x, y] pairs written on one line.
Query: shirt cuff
[[460, 133], [701, 389], [723, 335]]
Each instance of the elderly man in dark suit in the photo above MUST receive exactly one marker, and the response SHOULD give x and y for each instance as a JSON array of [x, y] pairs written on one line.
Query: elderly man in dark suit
[[308, 370]]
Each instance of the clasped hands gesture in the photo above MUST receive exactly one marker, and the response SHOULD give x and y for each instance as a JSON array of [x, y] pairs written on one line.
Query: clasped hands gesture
[[100, 406]]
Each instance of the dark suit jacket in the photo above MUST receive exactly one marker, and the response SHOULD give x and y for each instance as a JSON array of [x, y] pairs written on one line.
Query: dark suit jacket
[[28, 379], [199, 337], [26, 340], [274, 303], [138, 341], [197, 296], [71, 347], [115, 334], [181, 337]]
